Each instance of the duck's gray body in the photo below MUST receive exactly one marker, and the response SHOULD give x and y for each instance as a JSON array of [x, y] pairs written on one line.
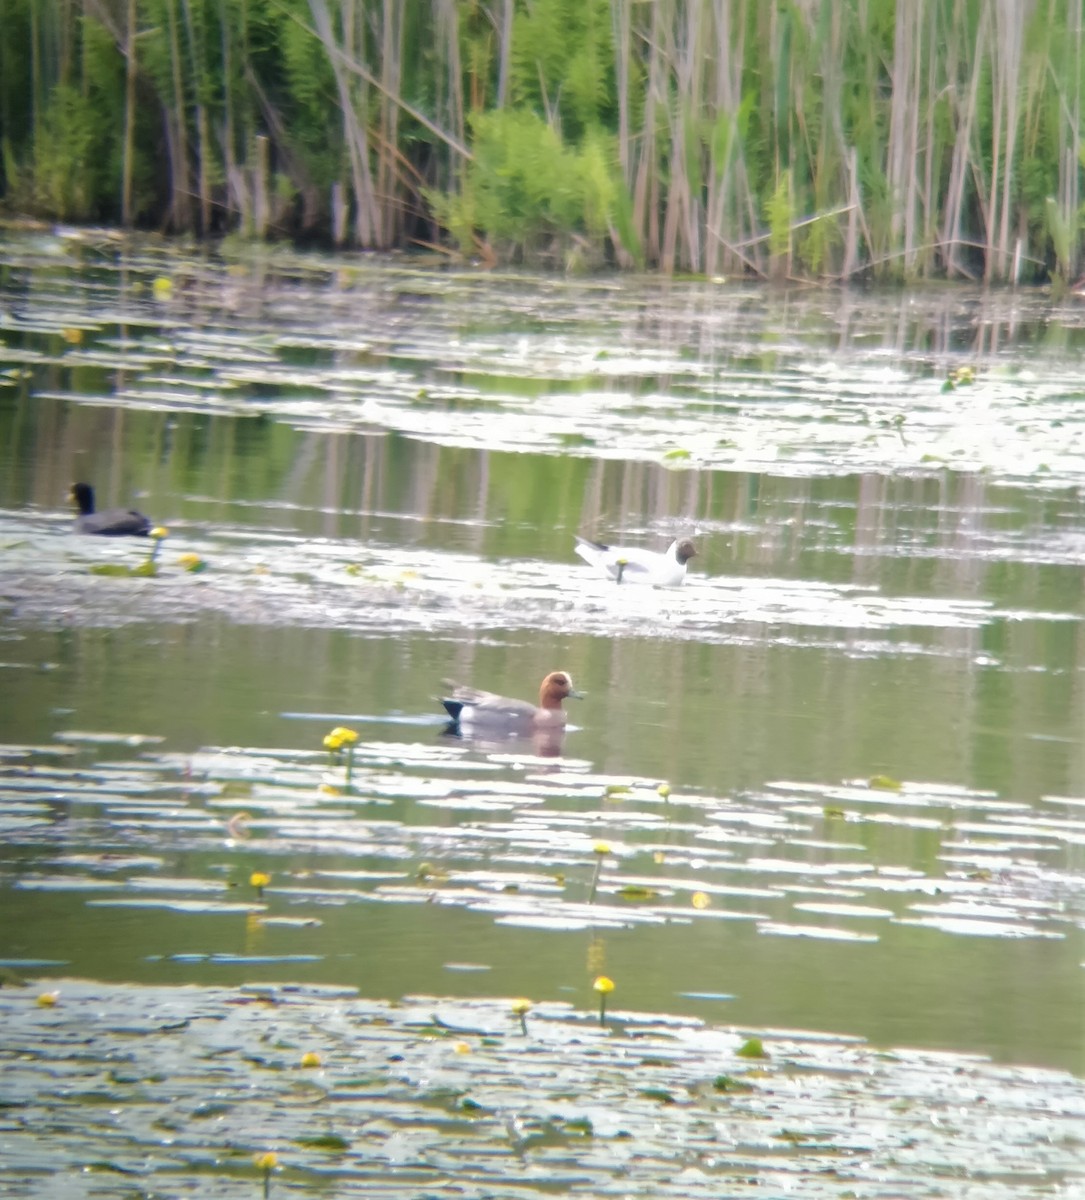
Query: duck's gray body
[[471, 706]]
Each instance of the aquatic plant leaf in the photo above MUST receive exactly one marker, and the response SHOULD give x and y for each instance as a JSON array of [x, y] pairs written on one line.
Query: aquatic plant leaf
[[631, 891], [115, 569], [728, 1083], [331, 1142]]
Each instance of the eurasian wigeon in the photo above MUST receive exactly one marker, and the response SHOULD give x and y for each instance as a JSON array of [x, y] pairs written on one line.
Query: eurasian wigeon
[[631, 564], [471, 707], [110, 522]]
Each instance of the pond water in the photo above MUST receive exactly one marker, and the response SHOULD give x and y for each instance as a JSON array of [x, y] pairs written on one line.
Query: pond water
[[836, 782]]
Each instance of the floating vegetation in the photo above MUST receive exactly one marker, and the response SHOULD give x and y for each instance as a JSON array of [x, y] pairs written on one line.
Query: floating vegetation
[[635, 402], [188, 1088], [848, 513], [412, 590], [636, 891], [524, 364], [535, 861]]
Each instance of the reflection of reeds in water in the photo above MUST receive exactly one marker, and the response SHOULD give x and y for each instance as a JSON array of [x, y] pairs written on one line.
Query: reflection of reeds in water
[[601, 850]]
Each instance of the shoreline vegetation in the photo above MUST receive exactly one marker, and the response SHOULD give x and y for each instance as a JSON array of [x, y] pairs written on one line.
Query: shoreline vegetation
[[804, 139]]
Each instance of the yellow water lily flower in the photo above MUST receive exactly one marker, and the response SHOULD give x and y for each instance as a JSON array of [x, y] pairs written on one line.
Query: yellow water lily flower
[[521, 1006], [700, 900], [339, 737], [267, 1162], [310, 1059], [259, 879], [604, 986], [334, 742]]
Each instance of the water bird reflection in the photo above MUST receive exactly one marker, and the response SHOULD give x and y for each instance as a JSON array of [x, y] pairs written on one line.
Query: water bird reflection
[[542, 742]]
